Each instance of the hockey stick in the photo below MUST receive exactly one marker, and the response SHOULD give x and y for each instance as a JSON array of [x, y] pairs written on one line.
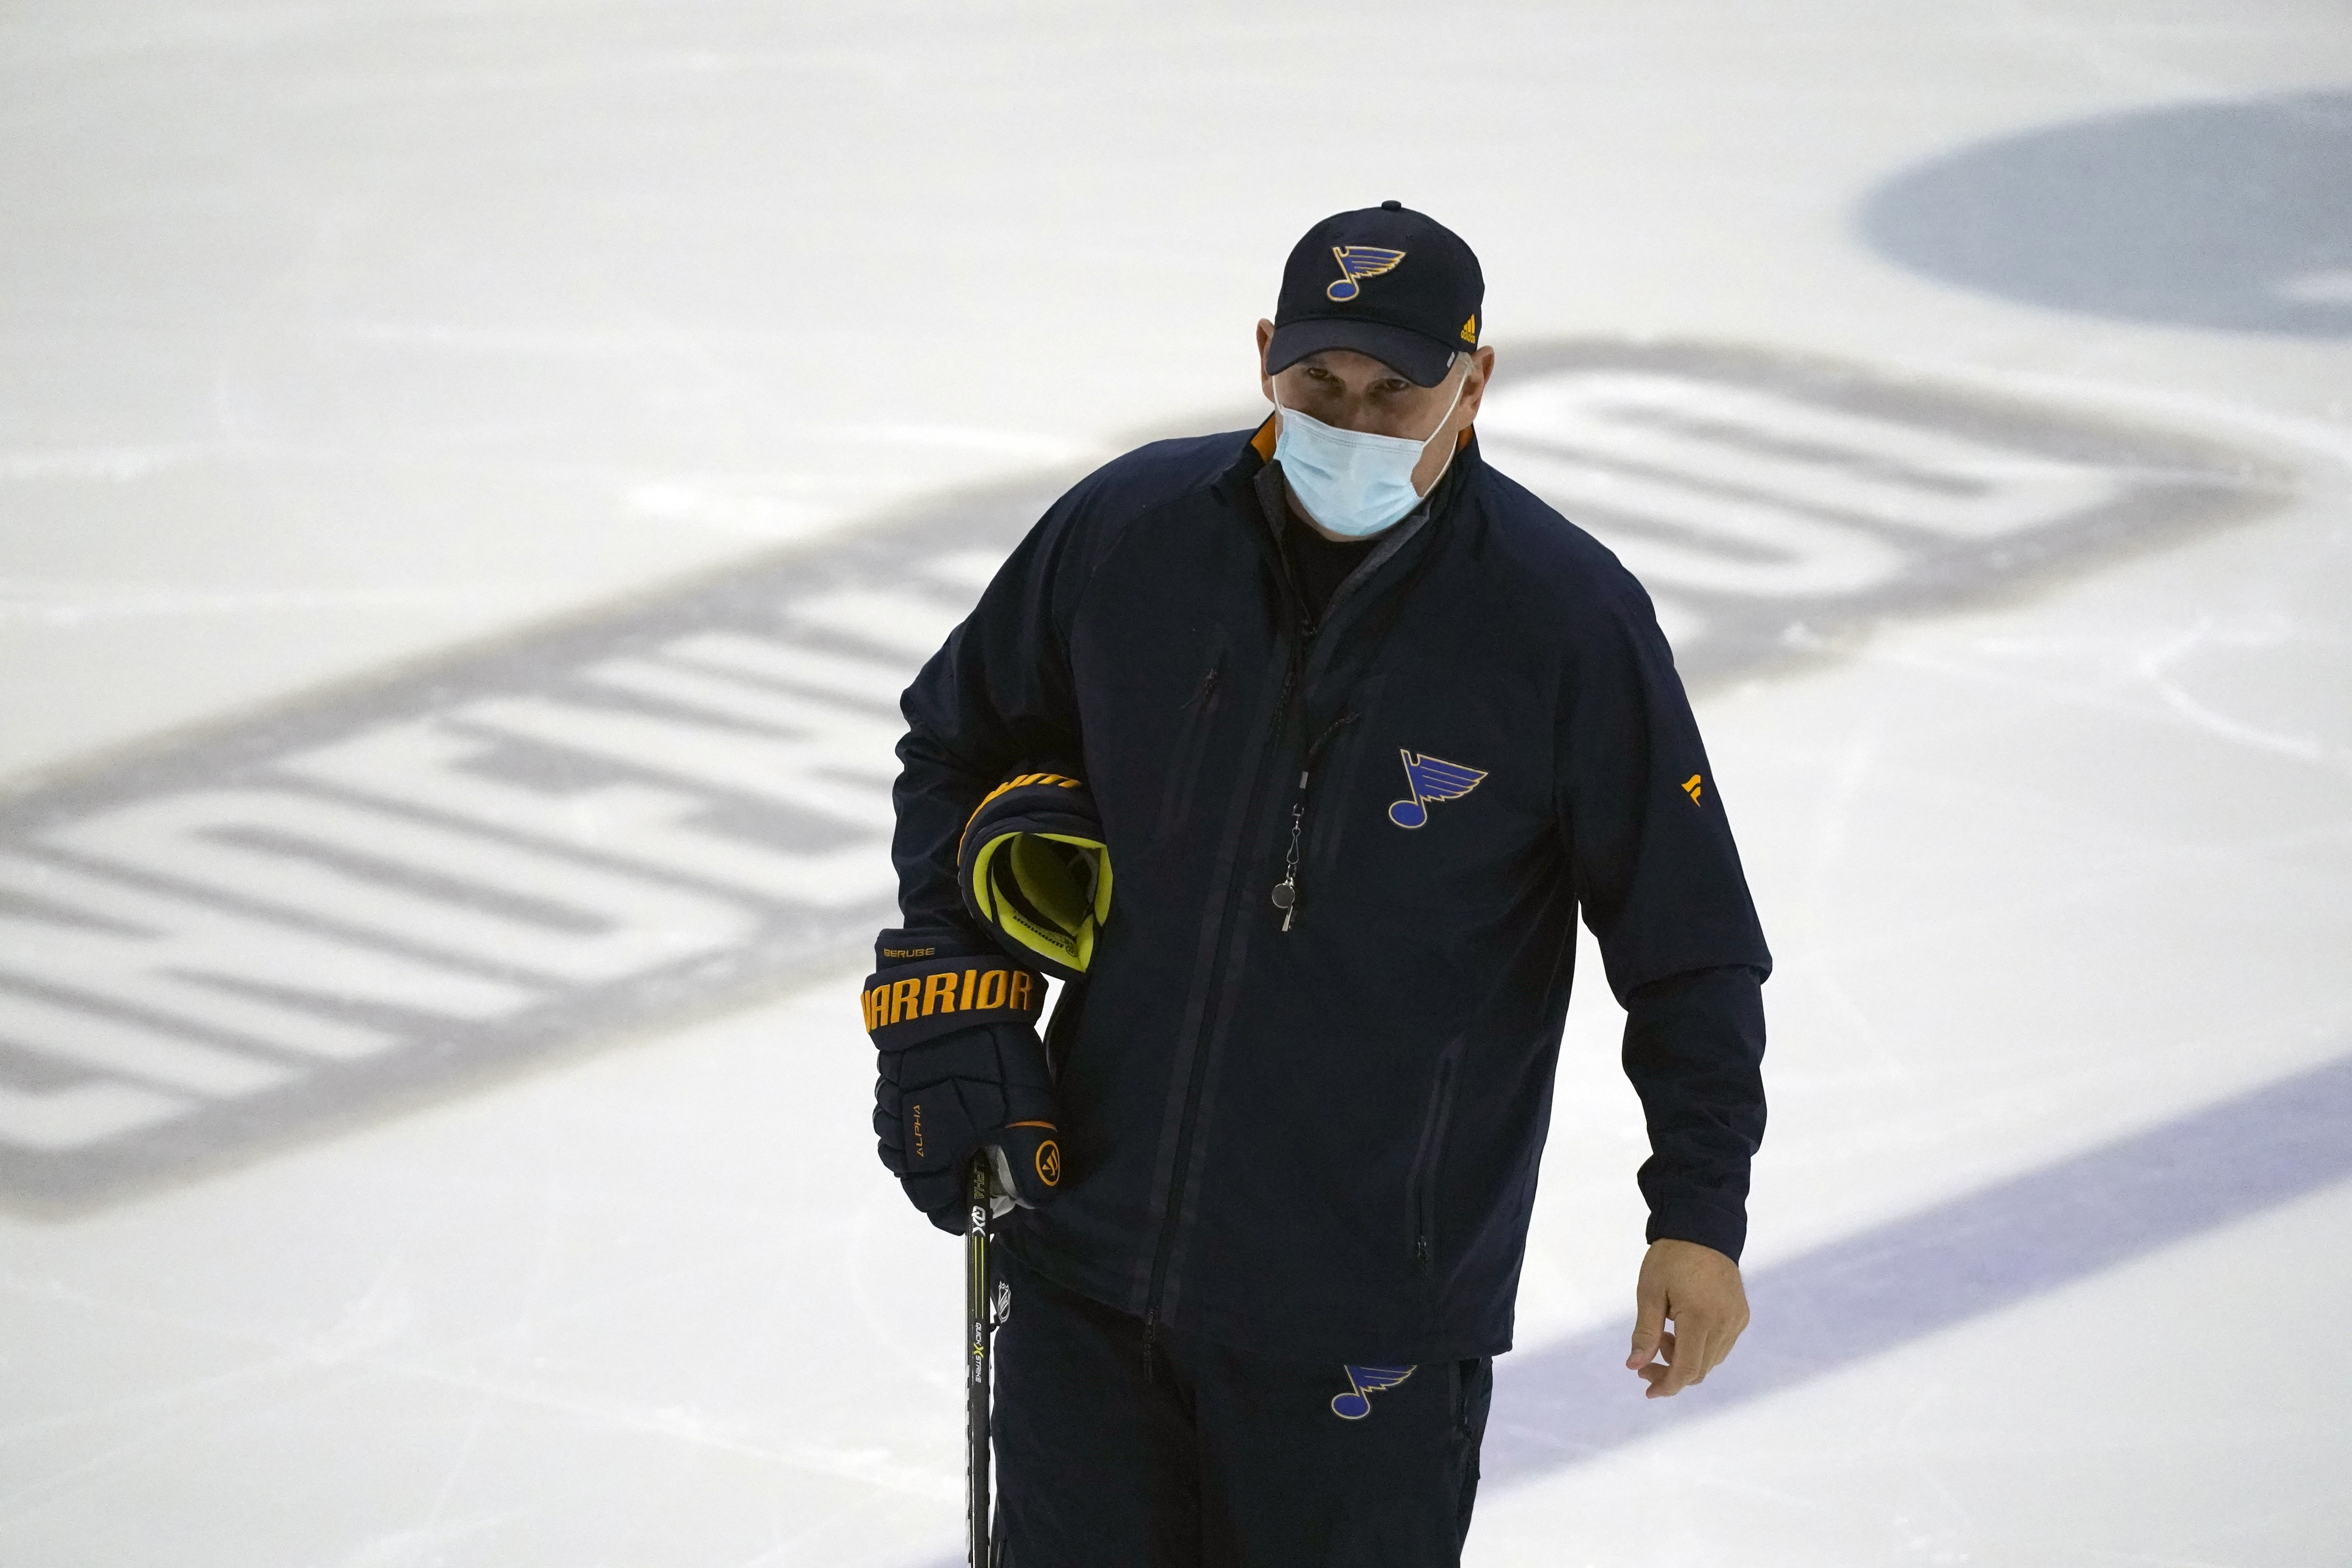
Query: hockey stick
[[979, 1321]]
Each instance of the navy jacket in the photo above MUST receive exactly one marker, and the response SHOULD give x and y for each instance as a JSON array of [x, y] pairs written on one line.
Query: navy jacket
[[1323, 1140]]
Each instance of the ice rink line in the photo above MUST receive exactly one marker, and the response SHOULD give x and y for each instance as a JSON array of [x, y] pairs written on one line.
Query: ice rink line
[[1963, 1258], [348, 901]]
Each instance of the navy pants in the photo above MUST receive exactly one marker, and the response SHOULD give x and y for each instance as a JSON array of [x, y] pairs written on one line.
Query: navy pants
[[1205, 1456]]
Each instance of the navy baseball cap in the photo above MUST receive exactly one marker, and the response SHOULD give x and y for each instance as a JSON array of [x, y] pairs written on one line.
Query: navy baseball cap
[[1385, 282]]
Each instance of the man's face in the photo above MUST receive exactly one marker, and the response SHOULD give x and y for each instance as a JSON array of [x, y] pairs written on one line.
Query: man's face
[[1356, 392]]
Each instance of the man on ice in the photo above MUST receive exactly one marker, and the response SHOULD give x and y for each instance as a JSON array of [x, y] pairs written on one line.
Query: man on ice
[[1298, 754]]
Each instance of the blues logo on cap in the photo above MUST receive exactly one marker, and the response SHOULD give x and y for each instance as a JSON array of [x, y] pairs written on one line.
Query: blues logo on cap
[[1359, 261]]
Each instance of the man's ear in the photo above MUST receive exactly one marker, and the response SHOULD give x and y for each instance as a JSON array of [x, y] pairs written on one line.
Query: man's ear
[[1482, 370], [1265, 336]]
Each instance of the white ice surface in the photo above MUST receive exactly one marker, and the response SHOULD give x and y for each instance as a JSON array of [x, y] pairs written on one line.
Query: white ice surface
[[331, 334]]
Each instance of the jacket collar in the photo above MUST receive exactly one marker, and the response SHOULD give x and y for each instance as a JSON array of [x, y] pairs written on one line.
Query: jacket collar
[[1258, 471]]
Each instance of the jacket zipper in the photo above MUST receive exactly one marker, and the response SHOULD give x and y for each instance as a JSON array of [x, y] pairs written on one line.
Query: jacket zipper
[[1173, 1220], [1421, 1195]]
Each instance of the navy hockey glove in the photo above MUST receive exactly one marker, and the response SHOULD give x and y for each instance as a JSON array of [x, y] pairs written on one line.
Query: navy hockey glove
[[962, 1069]]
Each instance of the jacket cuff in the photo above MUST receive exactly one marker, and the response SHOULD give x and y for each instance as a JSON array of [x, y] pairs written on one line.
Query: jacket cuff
[[1709, 1223]]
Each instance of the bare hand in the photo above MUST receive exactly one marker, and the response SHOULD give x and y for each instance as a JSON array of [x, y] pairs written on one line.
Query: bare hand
[[1699, 1289]]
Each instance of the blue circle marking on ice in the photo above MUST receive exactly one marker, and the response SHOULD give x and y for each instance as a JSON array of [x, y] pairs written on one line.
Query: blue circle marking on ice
[[2235, 215]]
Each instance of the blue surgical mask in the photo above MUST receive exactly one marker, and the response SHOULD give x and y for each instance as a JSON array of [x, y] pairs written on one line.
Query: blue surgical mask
[[1352, 483]]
